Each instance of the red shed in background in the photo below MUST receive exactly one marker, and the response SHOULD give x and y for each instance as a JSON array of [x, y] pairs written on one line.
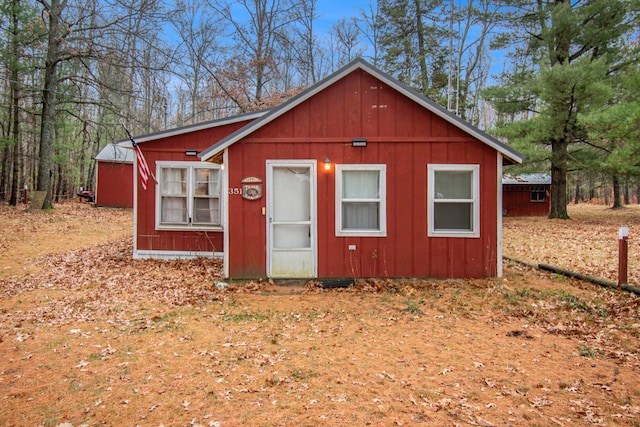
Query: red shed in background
[[526, 194], [114, 177], [358, 176]]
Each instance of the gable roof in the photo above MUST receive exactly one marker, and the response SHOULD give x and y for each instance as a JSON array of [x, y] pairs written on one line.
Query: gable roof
[[359, 63], [114, 153], [193, 128]]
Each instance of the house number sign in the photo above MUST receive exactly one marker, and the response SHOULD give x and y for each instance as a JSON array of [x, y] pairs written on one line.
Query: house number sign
[[251, 188]]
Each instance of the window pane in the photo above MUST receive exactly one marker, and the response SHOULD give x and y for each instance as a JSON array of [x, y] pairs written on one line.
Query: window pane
[[360, 216], [206, 182], [295, 204], [453, 216], [287, 236], [174, 181], [453, 185], [360, 184], [174, 209], [206, 210]]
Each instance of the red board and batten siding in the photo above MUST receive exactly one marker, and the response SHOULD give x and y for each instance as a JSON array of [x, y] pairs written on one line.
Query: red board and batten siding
[[402, 135], [172, 148], [114, 185]]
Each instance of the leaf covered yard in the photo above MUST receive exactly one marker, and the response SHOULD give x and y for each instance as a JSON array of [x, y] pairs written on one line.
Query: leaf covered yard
[[89, 336]]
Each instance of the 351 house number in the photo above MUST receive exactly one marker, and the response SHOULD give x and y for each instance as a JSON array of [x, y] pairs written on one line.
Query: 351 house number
[[250, 192], [251, 188]]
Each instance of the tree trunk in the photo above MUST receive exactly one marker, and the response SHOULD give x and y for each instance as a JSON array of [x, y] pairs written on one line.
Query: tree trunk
[[576, 200], [422, 55], [15, 110], [559, 158], [4, 172], [626, 195], [47, 127], [617, 193]]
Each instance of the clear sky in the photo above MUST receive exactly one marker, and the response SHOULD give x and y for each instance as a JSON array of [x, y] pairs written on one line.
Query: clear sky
[[331, 11]]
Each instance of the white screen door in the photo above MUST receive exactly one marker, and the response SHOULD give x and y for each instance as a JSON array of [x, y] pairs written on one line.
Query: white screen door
[[291, 219]]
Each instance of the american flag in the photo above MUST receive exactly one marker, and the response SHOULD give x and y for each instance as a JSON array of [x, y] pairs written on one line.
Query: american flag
[[143, 168]]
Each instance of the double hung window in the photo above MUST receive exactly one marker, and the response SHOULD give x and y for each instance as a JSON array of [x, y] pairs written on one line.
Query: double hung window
[[188, 195], [361, 200], [453, 196]]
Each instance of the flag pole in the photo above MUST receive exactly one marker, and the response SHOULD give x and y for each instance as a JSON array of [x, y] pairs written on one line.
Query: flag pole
[[135, 144]]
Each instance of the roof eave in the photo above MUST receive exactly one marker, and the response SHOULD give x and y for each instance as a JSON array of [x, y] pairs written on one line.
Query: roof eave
[[193, 128]]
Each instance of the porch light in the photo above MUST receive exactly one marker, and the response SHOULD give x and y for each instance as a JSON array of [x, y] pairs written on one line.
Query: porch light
[[359, 142], [327, 164]]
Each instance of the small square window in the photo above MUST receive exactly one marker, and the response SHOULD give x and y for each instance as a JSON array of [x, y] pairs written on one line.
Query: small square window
[[538, 195]]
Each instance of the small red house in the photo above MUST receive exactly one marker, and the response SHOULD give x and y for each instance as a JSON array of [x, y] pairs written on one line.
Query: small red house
[[114, 177], [526, 194], [358, 176]]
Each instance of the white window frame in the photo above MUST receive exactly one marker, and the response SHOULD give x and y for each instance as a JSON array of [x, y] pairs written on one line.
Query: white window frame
[[432, 200], [190, 194], [381, 199]]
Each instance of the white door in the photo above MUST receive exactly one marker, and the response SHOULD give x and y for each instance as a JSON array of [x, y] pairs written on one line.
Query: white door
[[291, 218]]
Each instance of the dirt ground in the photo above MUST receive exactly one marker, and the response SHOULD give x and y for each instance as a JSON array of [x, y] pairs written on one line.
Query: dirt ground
[[89, 336]]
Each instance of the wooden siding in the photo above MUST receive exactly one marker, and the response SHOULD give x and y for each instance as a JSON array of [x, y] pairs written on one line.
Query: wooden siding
[[516, 200], [401, 135], [114, 185], [173, 149]]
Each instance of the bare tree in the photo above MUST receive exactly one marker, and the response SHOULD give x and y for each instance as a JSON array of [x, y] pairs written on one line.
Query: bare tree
[[347, 36], [83, 41], [302, 45], [256, 38], [199, 32], [369, 25]]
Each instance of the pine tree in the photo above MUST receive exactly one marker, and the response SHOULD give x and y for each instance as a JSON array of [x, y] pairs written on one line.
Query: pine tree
[[573, 50]]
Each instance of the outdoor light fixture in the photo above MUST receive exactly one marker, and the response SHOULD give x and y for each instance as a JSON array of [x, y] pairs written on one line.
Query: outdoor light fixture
[[359, 142], [327, 164], [191, 152]]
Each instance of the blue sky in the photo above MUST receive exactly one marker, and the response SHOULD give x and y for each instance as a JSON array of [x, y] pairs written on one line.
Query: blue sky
[[331, 11]]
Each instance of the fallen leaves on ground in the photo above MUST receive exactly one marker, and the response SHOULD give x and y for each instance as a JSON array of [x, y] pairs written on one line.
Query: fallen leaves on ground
[[586, 244], [94, 337]]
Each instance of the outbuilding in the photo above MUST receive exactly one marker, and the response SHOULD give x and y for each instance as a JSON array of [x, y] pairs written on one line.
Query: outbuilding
[[358, 176], [526, 194], [114, 177]]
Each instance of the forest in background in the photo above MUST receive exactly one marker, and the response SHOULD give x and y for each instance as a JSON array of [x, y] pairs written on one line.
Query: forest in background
[[555, 79]]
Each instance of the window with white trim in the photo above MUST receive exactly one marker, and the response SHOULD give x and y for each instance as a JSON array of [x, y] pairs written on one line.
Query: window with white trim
[[453, 197], [188, 195], [361, 200]]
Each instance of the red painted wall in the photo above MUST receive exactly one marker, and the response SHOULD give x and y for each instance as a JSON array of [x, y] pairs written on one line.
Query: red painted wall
[[516, 200], [114, 186], [402, 135], [173, 148]]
